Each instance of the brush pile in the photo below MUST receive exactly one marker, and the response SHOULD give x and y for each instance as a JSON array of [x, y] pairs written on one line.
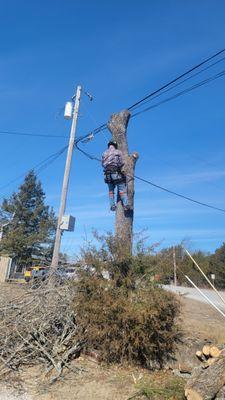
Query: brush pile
[[38, 327]]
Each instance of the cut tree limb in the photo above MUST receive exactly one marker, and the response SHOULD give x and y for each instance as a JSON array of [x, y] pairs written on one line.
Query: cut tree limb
[[207, 383], [199, 355], [206, 350], [215, 351]]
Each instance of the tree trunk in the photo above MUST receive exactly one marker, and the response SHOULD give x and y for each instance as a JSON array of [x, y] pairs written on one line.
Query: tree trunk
[[205, 384], [124, 219]]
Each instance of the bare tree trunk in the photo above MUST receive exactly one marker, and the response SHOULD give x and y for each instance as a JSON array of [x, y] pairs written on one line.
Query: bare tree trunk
[[124, 219]]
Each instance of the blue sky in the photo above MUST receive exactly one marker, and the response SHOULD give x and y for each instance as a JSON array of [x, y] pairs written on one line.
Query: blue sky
[[118, 51]]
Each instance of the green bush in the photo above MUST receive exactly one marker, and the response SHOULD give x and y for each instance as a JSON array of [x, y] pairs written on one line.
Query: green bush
[[124, 324]]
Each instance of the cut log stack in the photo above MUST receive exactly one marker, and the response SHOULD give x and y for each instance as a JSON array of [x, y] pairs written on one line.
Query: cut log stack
[[208, 380]]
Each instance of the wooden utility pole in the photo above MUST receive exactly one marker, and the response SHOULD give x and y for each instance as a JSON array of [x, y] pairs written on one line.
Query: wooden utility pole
[[124, 219], [174, 267], [55, 257]]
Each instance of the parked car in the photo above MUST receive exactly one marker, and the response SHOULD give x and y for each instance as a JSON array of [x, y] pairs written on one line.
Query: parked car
[[63, 274], [35, 272]]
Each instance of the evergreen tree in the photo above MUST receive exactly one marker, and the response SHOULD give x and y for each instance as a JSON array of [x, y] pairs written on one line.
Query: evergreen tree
[[217, 266], [31, 224]]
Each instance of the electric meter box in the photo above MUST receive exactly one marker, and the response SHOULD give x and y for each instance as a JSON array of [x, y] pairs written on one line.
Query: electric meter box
[[68, 223], [68, 112]]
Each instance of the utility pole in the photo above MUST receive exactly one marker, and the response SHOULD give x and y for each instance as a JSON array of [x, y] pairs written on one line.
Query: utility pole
[[55, 257], [174, 267]]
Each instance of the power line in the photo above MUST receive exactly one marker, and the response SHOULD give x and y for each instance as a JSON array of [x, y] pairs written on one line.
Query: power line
[[31, 134], [178, 194], [149, 97], [91, 157], [104, 126], [161, 90], [187, 90], [50, 160], [90, 135], [176, 79], [179, 83], [38, 167], [184, 91]]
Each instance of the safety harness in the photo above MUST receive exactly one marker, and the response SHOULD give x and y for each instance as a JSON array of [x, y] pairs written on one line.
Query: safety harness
[[114, 177]]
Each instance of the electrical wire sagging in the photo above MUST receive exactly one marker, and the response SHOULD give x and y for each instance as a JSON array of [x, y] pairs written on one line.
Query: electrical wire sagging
[[177, 78], [170, 86], [91, 157], [38, 168], [187, 90], [32, 134], [156, 94]]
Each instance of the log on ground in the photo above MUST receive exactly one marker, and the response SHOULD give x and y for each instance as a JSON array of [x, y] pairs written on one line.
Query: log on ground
[[207, 383]]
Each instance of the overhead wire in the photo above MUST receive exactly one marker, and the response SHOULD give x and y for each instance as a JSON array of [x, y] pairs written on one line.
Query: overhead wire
[[91, 157], [38, 167], [159, 92], [187, 90], [50, 160], [32, 134], [142, 101], [178, 194], [179, 83], [177, 78], [103, 127]]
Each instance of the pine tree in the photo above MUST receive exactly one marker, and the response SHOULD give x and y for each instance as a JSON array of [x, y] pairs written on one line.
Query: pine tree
[[216, 266], [31, 226]]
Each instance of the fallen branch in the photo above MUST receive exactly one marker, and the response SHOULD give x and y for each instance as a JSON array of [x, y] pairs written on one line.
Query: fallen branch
[[39, 328]]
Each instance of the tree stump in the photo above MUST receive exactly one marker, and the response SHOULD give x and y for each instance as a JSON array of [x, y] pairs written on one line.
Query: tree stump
[[124, 219]]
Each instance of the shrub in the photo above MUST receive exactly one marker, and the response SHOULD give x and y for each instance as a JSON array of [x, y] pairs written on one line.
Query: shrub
[[123, 324]]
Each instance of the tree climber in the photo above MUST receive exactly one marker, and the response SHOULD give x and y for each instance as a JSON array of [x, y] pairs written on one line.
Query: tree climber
[[112, 162]]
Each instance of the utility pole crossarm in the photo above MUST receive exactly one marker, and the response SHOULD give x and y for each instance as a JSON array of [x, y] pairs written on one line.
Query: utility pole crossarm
[[55, 257]]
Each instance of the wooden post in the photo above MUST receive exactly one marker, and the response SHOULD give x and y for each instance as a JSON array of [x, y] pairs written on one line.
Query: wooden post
[[174, 267], [124, 219]]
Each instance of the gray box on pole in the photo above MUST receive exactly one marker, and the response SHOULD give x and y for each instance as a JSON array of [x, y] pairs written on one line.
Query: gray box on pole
[[68, 223]]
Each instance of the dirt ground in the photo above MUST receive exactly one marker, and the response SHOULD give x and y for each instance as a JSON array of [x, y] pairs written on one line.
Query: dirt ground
[[200, 324], [202, 321]]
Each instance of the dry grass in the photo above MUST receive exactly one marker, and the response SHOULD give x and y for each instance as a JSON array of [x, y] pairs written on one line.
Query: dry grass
[[202, 321]]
